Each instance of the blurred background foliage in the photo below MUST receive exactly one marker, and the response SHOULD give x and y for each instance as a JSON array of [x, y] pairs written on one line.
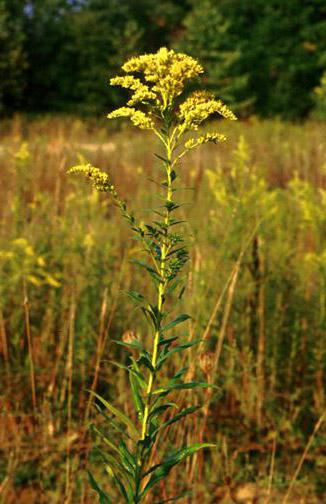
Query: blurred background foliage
[[267, 57]]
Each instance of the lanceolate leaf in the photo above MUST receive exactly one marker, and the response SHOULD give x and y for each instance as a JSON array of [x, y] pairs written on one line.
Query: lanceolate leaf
[[126, 495], [161, 409], [104, 498], [135, 344], [181, 318], [167, 341], [179, 416], [105, 438], [161, 470], [121, 416], [136, 296], [182, 386], [178, 348], [127, 459], [111, 422], [130, 369], [113, 462], [135, 388], [148, 268]]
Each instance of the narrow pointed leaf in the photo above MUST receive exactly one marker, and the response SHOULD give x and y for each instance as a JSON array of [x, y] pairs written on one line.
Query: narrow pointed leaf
[[135, 344], [161, 470], [136, 296], [183, 386], [136, 373], [181, 318], [135, 388], [121, 416], [179, 416], [104, 498], [106, 440]]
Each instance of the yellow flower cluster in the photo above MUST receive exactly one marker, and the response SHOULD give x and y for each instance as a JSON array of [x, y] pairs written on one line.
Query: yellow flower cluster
[[100, 180], [208, 137], [167, 70], [142, 93], [164, 74], [137, 117], [198, 107]]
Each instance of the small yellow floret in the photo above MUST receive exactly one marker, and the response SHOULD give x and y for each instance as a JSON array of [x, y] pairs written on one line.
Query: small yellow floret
[[199, 106], [167, 70], [100, 180], [142, 92], [137, 117], [208, 137]]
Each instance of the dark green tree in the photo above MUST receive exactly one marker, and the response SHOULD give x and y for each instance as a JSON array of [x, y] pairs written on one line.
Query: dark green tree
[[281, 44], [269, 50], [207, 36], [12, 56], [51, 52]]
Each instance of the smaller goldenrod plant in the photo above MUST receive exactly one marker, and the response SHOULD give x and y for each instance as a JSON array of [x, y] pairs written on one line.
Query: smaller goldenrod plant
[[159, 102]]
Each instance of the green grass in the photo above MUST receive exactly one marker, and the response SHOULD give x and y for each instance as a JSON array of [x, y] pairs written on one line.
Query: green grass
[[256, 292]]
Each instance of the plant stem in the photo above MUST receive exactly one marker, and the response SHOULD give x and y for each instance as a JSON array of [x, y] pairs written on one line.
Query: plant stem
[[164, 250]]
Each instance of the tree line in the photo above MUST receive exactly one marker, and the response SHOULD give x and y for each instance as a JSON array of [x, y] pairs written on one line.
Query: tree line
[[264, 57]]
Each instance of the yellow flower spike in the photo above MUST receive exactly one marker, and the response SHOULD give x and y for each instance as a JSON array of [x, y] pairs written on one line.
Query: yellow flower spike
[[142, 92], [208, 137], [167, 70], [198, 107], [100, 180], [137, 117]]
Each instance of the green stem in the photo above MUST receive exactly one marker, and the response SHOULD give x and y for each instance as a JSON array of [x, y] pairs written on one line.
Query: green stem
[[161, 291]]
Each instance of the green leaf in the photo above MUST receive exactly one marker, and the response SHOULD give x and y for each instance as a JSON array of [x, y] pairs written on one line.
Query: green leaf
[[136, 296], [161, 409], [112, 462], [130, 369], [167, 341], [111, 421], [134, 344], [135, 388], [162, 158], [104, 498], [179, 374], [179, 348], [150, 316], [127, 459], [119, 483], [181, 318], [148, 268], [105, 438], [182, 386], [146, 361], [176, 250], [182, 291], [178, 416], [161, 470], [121, 416], [171, 206], [175, 222]]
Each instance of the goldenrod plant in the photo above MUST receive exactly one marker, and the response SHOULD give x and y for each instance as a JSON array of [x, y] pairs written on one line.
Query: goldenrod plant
[[159, 102]]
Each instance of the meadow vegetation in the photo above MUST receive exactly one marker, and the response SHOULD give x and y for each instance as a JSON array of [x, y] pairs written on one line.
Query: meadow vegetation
[[256, 210]]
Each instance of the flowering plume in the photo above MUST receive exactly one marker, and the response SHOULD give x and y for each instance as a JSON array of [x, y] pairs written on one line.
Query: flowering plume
[[160, 81]]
